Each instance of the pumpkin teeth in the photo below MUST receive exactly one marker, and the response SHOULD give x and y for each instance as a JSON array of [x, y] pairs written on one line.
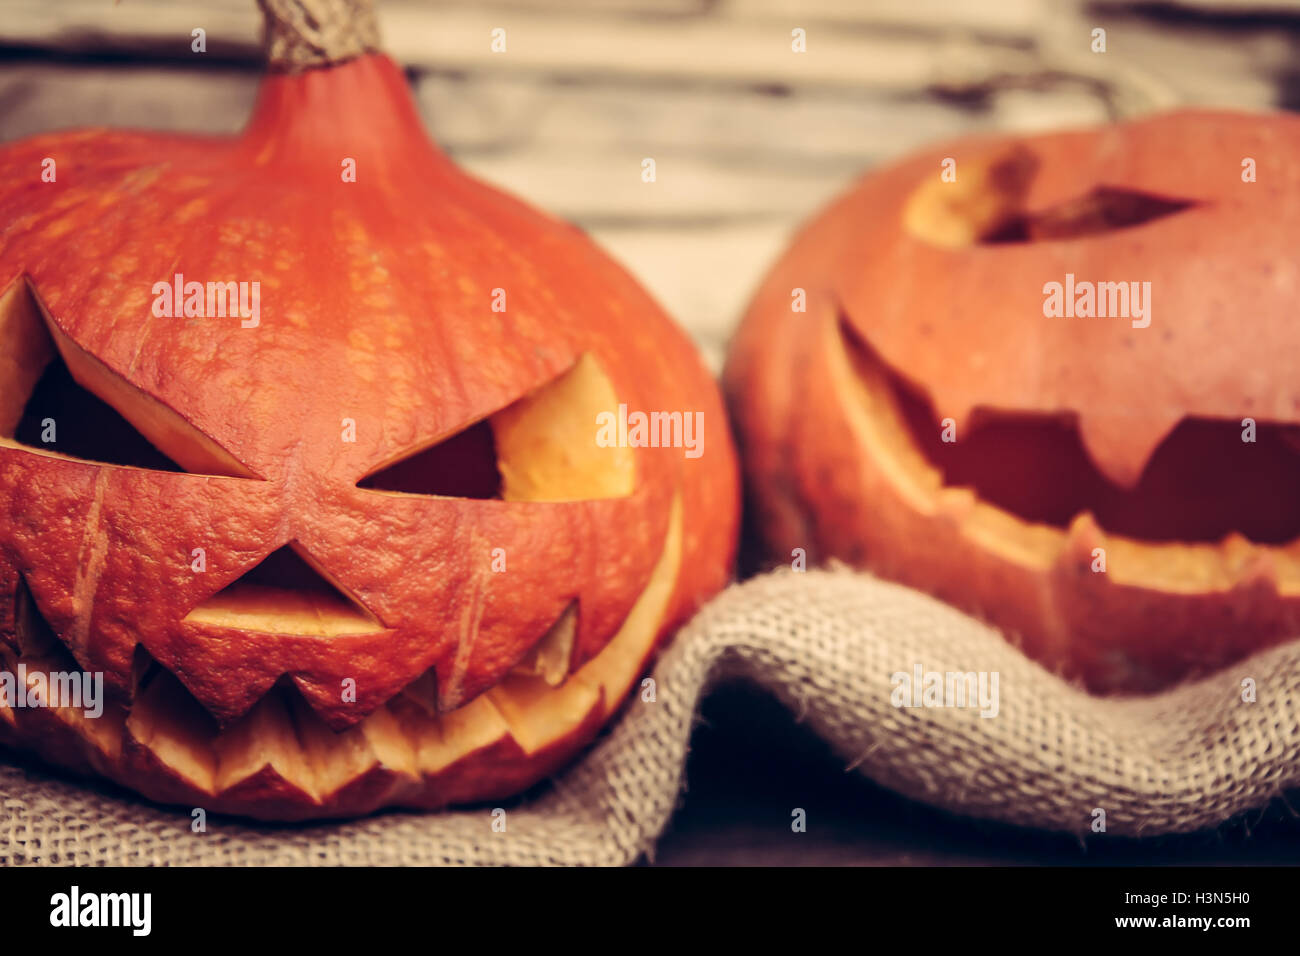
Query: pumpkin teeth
[[538, 714], [34, 645], [392, 747], [1121, 446], [549, 658], [442, 742], [167, 721], [876, 418], [283, 760], [1239, 552], [1252, 567], [1084, 535], [33, 636], [262, 740], [332, 759], [144, 669]]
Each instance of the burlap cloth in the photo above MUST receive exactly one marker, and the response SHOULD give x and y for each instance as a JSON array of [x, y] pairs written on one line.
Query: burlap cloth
[[826, 644]]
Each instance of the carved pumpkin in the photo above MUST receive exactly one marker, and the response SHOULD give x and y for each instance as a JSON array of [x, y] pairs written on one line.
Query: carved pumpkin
[[1118, 494], [356, 545]]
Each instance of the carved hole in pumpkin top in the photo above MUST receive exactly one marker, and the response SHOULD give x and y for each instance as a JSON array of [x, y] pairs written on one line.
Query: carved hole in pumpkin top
[[96, 414], [1201, 483], [285, 594], [986, 205], [541, 447]]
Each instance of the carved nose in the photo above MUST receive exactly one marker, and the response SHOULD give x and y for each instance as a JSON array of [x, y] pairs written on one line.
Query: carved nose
[[286, 593]]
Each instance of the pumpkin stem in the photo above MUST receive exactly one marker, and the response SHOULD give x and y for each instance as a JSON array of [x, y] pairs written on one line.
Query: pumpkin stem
[[303, 34]]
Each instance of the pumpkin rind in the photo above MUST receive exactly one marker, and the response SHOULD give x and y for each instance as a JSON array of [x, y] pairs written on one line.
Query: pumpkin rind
[[962, 321], [375, 308]]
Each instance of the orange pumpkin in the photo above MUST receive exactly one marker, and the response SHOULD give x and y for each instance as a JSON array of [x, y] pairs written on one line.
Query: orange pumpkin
[[344, 538], [1113, 484]]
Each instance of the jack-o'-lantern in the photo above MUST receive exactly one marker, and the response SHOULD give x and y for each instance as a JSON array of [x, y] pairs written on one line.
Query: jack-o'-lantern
[[301, 454], [1049, 380]]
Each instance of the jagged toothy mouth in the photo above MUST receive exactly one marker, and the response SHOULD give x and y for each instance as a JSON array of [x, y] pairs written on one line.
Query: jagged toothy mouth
[[282, 750], [1025, 486], [1198, 486]]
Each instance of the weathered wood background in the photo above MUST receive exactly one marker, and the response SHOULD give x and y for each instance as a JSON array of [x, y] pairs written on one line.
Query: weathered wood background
[[749, 138]]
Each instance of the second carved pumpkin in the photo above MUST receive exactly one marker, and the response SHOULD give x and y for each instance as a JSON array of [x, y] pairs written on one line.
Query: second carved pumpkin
[[1050, 380]]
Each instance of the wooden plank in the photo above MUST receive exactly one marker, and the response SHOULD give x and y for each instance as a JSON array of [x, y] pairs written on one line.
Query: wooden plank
[[896, 45], [232, 26], [1193, 61], [575, 149], [37, 97], [1003, 18], [1218, 7], [39, 21], [723, 47], [803, 133]]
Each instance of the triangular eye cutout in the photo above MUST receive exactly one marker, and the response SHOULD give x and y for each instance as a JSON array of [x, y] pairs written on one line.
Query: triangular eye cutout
[[61, 416], [284, 594], [1104, 209], [55, 397], [463, 466], [542, 447], [987, 205]]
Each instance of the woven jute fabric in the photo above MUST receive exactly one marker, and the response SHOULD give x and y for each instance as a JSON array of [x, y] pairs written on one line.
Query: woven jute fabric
[[828, 645]]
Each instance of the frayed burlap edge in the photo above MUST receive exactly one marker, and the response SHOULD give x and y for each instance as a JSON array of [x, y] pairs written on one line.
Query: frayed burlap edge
[[826, 644]]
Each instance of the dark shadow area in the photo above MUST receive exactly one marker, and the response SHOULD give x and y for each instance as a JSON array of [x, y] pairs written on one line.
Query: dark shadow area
[[83, 425], [751, 764]]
